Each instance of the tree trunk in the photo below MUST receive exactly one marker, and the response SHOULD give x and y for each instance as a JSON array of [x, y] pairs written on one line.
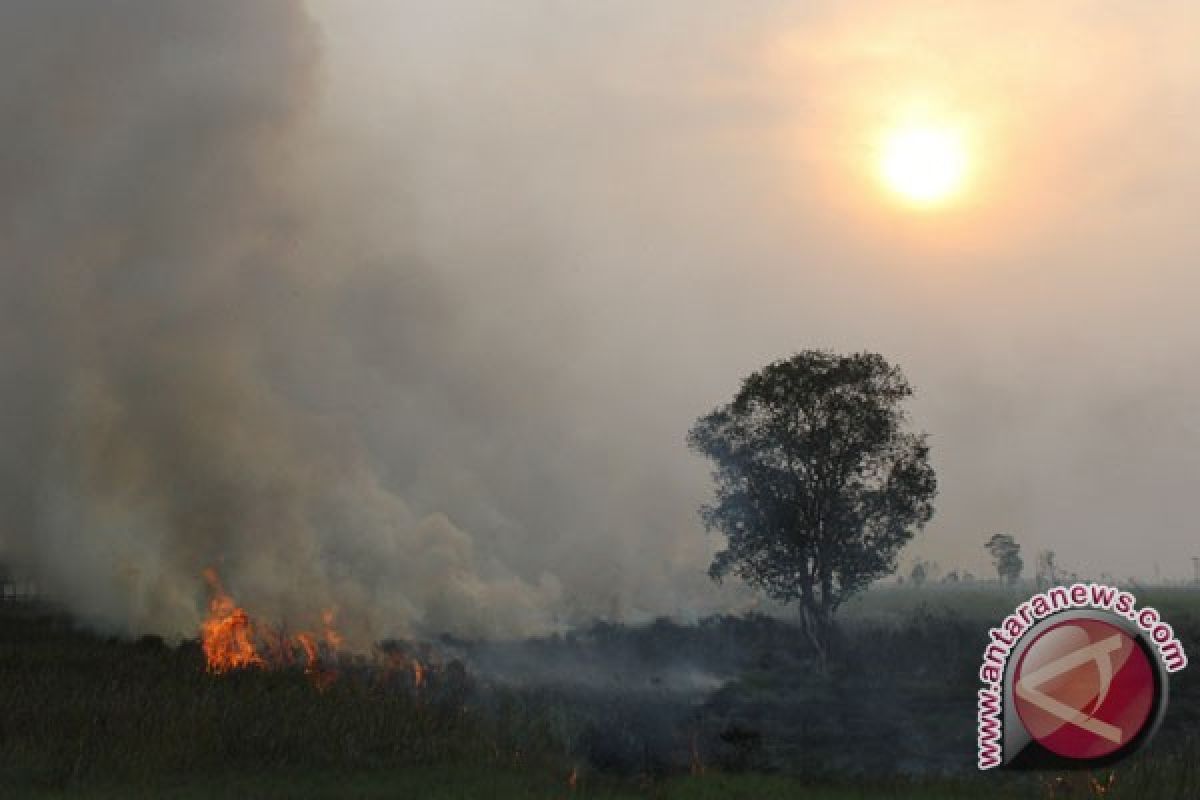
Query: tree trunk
[[817, 624]]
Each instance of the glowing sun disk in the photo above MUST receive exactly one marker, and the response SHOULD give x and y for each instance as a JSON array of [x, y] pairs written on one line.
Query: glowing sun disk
[[924, 165]]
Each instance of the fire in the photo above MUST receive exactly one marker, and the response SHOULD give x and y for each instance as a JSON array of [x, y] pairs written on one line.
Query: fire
[[332, 637], [395, 661], [309, 645], [321, 675], [228, 634], [231, 640]]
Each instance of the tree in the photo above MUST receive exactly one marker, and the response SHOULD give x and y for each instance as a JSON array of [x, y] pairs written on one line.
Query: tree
[[1006, 556], [918, 574], [818, 485], [1047, 570]]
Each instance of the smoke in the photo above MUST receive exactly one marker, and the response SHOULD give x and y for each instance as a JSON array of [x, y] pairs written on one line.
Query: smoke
[[647, 204], [176, 360], [406, 312]]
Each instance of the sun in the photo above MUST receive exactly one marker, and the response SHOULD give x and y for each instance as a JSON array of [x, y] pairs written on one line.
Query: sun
[[924, 165]]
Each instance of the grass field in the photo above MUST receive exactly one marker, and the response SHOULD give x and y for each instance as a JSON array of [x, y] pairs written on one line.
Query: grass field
[[466, 783], [82, 715]]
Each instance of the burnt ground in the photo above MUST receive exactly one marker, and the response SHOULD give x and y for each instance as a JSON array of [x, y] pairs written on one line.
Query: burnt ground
[[640, 705], [746, 693]]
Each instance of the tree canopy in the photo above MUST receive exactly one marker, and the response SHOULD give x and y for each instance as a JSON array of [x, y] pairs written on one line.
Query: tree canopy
[[1006, 556], [818, 484]]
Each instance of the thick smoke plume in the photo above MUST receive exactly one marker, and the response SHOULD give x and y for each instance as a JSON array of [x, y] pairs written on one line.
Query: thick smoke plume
[[182, 383]]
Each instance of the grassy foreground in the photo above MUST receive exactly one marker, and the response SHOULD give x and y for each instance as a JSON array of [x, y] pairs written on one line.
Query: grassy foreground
[[507, 783], [87, 716], [503, 783]]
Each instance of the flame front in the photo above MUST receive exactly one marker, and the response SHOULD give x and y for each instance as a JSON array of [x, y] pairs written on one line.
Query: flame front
[[228, 634], [332, 637], [231, 642], [397, 662]]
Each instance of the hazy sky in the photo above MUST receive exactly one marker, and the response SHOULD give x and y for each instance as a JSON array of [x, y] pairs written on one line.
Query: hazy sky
[[696, 184], [407, 307]]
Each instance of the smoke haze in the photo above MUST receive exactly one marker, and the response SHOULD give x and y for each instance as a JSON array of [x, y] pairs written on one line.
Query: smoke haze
[[406, 311]]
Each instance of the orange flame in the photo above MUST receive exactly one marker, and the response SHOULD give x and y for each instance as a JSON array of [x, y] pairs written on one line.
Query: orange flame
[[395, 662], [227, 635], [309, 646], [332, 637], [230, 641], [233, 640]]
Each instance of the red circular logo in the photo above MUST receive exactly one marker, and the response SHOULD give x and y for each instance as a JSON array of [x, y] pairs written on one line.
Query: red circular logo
[[1084, 688]]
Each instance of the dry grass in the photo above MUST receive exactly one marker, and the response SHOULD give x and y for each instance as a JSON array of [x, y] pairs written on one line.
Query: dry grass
[[82, 715]]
